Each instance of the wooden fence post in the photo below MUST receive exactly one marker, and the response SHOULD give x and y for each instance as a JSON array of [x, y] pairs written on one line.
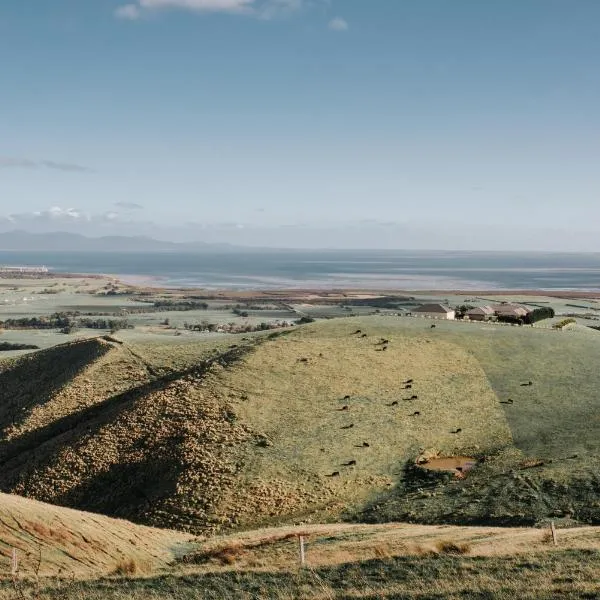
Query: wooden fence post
[[554, 540], [14, 566], [302, 553]]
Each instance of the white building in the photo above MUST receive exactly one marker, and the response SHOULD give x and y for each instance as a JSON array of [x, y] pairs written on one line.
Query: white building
[[435, 311]]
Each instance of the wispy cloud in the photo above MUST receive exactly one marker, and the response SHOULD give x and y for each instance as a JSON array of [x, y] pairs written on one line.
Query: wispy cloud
[[57, 214], [338, 24], [129, 205], [8, 162], [263, 9], [128, 11]]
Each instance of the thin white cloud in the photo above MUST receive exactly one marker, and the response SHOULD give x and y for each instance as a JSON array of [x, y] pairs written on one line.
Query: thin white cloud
[[263, 9], [129, 205], [58, 215], [8, 162], [338, 24], [128, 11], [135, 11]]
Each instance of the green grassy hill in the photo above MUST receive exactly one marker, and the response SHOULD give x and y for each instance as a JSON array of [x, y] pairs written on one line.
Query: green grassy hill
[[311, 425]]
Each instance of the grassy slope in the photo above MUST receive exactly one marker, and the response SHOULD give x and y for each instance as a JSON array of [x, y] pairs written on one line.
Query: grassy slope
[[76, 543], [345, 561], [164, 436]]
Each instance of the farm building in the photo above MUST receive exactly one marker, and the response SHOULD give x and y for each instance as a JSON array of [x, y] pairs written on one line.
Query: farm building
[[511, 310], [435, 311], [480, 313]]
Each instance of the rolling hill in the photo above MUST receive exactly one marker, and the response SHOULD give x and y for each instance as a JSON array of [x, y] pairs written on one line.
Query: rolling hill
[[314, 424]]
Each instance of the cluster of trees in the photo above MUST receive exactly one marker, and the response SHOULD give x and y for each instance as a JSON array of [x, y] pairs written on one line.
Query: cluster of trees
[[54, 321], [110, 324], [6, 346], [65, 322], [462, 310], [164, 305], [205, 326], [538, 314]]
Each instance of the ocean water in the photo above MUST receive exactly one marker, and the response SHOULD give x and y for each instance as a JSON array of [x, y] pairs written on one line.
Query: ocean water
[[403, 270]]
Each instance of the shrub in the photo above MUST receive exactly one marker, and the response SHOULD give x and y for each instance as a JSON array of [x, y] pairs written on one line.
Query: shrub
[[304, 320], [448, 547], [128, 567], [562, 324]]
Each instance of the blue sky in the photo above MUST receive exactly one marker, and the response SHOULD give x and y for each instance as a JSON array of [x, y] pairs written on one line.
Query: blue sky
[[373, 123]]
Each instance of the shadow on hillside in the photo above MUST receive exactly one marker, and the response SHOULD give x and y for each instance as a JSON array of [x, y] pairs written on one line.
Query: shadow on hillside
[[124, 489], [36, 378]]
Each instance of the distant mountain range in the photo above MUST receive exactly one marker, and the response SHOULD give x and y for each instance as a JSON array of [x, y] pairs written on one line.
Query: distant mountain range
[[72, 242]]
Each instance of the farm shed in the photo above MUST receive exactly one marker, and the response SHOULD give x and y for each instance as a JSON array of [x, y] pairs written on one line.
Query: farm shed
[[435, 311]]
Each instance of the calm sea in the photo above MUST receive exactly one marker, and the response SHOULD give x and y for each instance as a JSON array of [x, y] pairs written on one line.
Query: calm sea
[[411, 270]]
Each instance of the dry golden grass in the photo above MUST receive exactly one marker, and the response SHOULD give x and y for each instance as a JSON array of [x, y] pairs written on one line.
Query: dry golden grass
[[78, 543]]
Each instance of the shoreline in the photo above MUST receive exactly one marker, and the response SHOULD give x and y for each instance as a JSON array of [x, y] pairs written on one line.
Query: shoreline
[[156, 284]]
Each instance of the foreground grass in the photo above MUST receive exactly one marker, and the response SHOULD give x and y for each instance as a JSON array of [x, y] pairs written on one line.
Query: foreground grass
[[561, 574]]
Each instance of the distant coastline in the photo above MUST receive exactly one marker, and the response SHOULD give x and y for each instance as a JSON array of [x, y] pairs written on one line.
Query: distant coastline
[[439, 272]]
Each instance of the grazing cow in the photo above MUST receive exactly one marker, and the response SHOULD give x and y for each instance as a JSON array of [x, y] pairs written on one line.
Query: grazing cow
[[456, 430], [366, 445], [347, 397], [408, 386], [433, 326], [363, 335], [303, 360], [345, 407], [383, 348], [526, 384], [334, 474], [350, 463], [415, 414], [348, 426], [509, 401], [394, 403], [357, 332], [408, 381]]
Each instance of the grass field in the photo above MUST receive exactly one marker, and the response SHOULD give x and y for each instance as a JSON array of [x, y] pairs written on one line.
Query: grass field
[[307, 431], [387, 561], [245, 431]]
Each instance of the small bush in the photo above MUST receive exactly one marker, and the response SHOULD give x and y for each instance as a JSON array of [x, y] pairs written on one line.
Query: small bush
[[226, 555], [128, 567], [562, 324], [448, 547], [304, 320]]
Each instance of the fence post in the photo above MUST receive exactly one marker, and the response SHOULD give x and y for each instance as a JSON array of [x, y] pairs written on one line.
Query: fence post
[[14, 566], [554, 540], [301, 546]]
